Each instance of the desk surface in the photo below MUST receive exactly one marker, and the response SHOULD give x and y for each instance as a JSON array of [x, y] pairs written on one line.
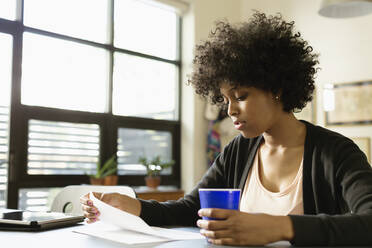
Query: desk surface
[[66, 238], [161, 188]]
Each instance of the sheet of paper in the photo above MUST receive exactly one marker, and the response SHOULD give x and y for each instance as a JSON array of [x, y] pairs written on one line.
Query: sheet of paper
[[118, 234], [126, 228], [112, 215]]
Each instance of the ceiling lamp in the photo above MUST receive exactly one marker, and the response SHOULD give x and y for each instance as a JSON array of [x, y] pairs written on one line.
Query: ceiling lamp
[[345, 8]]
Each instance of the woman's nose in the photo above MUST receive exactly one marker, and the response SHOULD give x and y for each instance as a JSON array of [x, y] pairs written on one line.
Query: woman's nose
[[232, 109]]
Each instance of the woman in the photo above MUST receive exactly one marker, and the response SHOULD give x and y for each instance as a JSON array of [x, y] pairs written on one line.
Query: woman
[[300, 182]]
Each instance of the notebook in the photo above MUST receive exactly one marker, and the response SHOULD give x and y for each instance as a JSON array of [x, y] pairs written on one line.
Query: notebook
[[21, 220]]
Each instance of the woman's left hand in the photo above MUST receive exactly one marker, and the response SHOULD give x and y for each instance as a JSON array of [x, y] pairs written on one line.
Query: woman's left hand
[[240, 228]]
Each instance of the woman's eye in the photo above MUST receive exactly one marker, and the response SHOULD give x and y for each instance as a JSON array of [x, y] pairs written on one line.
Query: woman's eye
[[241, 98]]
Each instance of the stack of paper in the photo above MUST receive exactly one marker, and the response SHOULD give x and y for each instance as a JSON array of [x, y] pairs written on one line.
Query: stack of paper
[[123, 227]]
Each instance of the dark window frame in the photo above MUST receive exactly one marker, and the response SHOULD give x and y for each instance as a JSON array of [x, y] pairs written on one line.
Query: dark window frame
[[108, 123]]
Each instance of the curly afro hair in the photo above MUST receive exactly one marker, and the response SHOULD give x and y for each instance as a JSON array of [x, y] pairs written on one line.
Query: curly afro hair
[[264, 53]]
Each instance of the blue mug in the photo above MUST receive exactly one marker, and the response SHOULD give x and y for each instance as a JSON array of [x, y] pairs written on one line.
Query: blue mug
[[219, 198]]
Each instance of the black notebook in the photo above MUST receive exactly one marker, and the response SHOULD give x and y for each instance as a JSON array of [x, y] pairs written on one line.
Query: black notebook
[[21, 220]]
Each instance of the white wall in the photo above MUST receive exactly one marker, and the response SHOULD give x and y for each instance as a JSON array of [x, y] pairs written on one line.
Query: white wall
[[197, 24], [345, 47]]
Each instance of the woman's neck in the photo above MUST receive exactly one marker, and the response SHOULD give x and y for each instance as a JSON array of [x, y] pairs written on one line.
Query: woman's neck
[[287, 132]]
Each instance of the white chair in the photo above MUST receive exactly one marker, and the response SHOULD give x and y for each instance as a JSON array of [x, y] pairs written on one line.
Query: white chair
[[68, 200]]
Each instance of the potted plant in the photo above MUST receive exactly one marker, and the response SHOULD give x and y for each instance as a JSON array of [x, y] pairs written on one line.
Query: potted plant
[[106, 173], [153, 169]]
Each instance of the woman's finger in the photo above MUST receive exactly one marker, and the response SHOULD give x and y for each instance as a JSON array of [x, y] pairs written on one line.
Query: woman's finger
[[89, 209], [216, 213], [85, 200], [90, 215], [90, 221], [212, 224], [219, 234], [98, 195], [223, 241]]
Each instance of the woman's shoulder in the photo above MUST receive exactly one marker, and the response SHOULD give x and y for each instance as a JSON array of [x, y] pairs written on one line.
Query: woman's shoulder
[[323, 140], [322, 135]]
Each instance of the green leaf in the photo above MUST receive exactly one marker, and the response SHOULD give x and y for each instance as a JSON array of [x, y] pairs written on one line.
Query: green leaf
[[143, 161], [109, 163], [98, 173], [108, 168], [109, 172], [167, 165], [156, 161]]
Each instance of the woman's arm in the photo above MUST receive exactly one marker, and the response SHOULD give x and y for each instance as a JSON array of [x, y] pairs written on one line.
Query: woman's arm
[[240, 228], [184, 211], [346, 172]]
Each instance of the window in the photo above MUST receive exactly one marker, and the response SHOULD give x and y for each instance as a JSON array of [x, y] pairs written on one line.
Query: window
[[8, 9], [86, 19], [71, 75], [157, 24], [62, 148], [84, 88], [37, 199], [133, 143], [5, 77], [4, 113], [134, 74]]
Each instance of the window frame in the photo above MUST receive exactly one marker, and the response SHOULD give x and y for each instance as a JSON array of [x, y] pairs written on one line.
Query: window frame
[[108, 123]]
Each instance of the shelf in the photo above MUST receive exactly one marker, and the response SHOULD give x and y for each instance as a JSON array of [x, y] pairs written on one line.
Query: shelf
[[162, 193]]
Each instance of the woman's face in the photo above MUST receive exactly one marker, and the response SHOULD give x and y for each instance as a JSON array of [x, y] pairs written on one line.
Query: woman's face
[[253, 111]]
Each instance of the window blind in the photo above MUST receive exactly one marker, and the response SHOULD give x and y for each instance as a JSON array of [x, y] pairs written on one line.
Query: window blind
[[4, 115], [62, 148]]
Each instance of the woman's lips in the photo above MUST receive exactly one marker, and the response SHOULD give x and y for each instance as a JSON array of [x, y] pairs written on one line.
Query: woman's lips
[[239, 125]]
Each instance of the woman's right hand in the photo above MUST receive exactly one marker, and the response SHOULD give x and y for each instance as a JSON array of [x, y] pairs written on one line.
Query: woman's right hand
[[122, 202]]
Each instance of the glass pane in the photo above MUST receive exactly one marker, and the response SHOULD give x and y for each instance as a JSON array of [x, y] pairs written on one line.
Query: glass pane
[[145, 28], [144, 87], [4, 124], [5, 82], [6, 47], [134, 143], [8, 9], [86, 19], [37, 199], [59, 74], [62, 148]]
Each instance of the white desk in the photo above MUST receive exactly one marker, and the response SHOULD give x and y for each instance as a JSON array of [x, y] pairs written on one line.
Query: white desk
[[65, 238]]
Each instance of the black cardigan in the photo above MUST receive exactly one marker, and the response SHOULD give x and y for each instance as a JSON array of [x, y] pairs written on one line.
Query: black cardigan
[[337, 189]]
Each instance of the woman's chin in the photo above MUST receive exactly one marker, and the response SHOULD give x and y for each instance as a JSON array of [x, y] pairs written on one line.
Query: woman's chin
[[249, 135]]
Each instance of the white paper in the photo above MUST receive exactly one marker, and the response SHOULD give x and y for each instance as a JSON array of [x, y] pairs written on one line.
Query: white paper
[[115, 216], [118, 234], [127, 228]]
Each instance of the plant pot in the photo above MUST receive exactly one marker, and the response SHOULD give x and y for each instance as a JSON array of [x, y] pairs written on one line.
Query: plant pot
[[109, 180], [96, 181], [152, 181]]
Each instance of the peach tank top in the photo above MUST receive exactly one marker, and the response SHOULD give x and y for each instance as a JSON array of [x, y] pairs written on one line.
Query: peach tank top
[[257, 199]]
